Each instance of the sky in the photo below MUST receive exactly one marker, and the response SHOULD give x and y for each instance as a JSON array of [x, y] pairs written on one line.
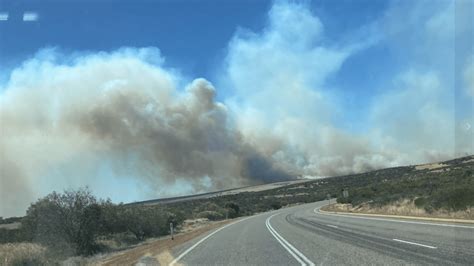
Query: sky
[[147, 99]]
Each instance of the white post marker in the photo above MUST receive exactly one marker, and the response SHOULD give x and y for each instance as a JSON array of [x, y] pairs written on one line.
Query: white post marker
[[171, 231]]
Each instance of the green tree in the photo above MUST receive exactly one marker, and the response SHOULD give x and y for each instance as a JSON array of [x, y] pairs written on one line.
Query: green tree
[[67, 220]]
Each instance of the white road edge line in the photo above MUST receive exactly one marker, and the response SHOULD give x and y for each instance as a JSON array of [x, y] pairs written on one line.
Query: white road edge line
[[202, 240], [413, 243], [316, 210], [333, 226], [290, 248]]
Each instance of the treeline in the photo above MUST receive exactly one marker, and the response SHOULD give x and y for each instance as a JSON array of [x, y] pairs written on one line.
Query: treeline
[[71, 222], [9, 220]]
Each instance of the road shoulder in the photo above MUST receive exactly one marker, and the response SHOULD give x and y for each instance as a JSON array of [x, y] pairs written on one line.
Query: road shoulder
[[158, 250], [433, 219]]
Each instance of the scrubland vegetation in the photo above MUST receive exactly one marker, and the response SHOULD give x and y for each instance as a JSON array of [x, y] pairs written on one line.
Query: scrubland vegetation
[[74, 223], [445, 188]]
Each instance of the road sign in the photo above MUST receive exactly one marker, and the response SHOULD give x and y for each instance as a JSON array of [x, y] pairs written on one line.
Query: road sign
[[345, 193]]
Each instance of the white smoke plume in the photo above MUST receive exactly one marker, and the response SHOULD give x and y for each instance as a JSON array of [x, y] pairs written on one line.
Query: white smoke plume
[[119, 107]]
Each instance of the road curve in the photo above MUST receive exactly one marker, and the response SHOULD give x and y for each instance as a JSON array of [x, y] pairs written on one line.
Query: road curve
[[302, 235]]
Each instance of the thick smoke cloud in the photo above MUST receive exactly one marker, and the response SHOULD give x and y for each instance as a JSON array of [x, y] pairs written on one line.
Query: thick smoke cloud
[[290, 64], [128, 111], [68, 120]]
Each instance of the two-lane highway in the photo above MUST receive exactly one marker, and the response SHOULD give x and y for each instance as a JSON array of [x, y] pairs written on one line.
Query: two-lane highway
[[302, 235]]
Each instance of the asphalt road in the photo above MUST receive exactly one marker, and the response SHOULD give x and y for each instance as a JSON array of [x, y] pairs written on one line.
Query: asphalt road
[[303, 236]]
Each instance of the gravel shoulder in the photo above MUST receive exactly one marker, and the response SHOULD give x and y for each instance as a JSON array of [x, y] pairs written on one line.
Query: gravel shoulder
[[157, 252], [404, 212]]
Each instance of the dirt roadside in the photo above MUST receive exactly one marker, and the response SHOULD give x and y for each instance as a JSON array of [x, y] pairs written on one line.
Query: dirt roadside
[[404, 213], [157, 252]]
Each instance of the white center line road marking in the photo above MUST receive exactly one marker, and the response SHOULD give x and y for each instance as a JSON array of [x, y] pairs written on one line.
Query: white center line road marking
[[333, 226], [202, 240], [316, 210], [413, 243], [302, 259]]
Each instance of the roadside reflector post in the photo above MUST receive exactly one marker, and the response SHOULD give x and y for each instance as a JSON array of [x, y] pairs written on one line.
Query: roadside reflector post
[[171, 231]]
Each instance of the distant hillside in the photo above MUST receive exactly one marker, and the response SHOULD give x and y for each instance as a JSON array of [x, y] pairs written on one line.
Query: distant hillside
[[447, 185], [219, 193]]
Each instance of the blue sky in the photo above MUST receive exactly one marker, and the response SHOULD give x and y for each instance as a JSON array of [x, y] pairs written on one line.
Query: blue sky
[[305, 88], [192, 35]]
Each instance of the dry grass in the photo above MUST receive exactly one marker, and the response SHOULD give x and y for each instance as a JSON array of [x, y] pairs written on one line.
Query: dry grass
[[430, 166], [23, 254], [264, 187], [404, 208], [190, 225]]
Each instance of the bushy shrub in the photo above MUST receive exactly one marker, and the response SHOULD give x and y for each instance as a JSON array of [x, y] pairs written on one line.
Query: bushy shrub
[[210, 206], [144, 221], [420, 202], [344, 200], [68, 219], [113, 219], [211, 215], [275, 205], [233, 209], [12, 235], [468, 173], [456, 199], [72, 221]]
